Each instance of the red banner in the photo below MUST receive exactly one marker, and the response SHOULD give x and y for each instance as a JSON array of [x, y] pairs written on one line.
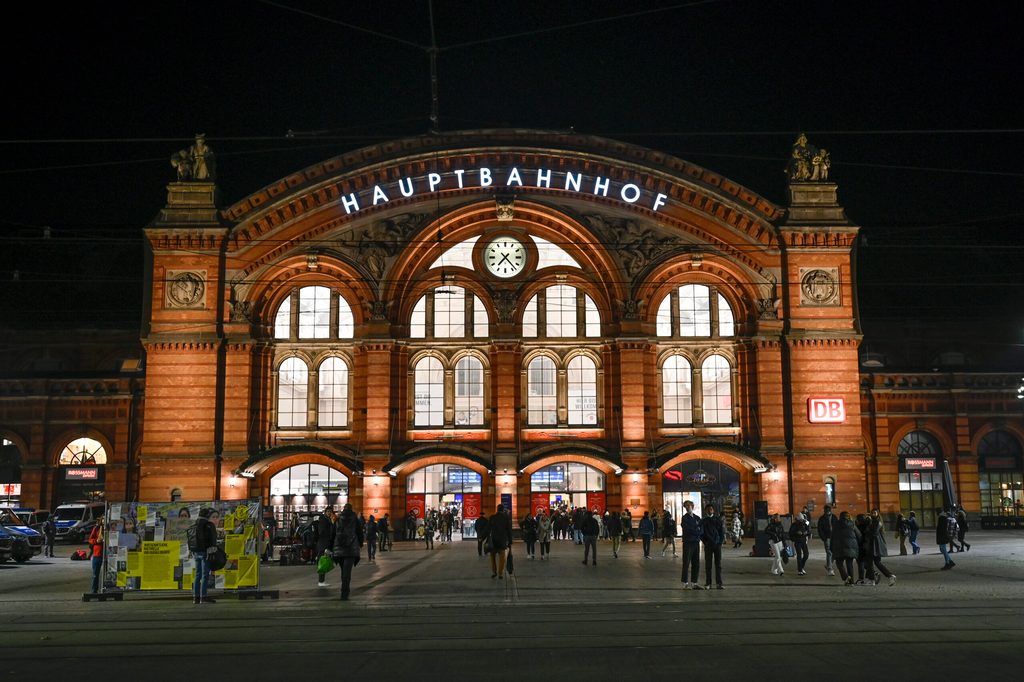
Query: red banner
[[539, 502], [595, 501], [470, 505], [416, 502]]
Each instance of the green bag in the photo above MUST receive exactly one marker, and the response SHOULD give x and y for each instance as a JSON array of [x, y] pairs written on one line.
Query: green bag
[[324, 564]]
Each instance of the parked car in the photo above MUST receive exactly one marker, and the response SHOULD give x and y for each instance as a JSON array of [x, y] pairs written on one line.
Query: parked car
[[33, 518], [26, 542], [6, 545], [75, 520]]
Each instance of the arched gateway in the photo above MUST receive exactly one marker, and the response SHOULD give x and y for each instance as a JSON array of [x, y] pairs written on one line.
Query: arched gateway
[[491, 316]]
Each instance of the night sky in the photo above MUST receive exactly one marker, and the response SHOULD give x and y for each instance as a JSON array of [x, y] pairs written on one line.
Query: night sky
[[919, 104]]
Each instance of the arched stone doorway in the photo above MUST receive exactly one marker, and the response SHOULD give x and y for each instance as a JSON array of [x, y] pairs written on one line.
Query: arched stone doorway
[[437, 485], [703, 482]]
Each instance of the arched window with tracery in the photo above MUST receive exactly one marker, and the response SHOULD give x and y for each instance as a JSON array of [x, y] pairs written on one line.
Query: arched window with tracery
[[292, 394], [449, 312], [332, 389], [677, 391], [429, 393], [582, 391], [561, 311], [469, 392], [306, 314], [716, 386], [695, 310], [542, 392]]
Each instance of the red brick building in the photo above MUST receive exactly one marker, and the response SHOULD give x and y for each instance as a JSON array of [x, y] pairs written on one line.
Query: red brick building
[[532, 317]]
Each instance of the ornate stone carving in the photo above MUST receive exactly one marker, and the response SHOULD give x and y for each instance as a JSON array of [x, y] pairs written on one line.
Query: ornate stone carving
[[505, 305], [631, 309], [766, 309], [186, 289], [312, 262], [636, 246], [382, 241], [243, 311], [807, 163], [379, 310], [195, 163], [819, 286], [505, 208]]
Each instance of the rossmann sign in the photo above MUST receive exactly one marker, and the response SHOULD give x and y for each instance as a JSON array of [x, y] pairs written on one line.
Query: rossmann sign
[[826, 410]]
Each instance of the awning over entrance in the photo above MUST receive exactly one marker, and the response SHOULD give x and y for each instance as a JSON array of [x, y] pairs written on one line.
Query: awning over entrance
[[257, 463], [748, 456]]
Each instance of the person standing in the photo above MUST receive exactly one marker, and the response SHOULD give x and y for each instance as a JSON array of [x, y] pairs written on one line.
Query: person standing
[[944, 537], [627, 527], [693, 531], [591, 529], [825, 523], [737, 529], [799, 534], [668, 533], [875, 546], [49, 535], [500, 525], [615, 532], [482, 527], [348, 541], [845, 543], [429, 528], [384, 530], [913, 529], [713, 537], [544, 534], [204, 544], [961, 530], [902, 531], [646, 531], [323, 531], [529, 528], [370, 533], [96, 554], [776, 538]]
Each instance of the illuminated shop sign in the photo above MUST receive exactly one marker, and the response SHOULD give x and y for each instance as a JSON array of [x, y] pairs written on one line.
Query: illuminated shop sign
[[826, 410], [8, 489], [919, 463], [503, 179], [81, 474]]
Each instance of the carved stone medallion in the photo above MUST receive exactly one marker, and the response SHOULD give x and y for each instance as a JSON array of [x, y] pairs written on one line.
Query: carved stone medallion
[[186, 289], [819, 286]]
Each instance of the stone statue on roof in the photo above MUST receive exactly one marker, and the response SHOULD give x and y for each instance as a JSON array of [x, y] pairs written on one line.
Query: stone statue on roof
[[807, 163], [195, 163]]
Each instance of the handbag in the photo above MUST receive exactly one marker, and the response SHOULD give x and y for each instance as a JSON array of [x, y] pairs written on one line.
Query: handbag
[[324, 564], [488, 546], [217, 560]]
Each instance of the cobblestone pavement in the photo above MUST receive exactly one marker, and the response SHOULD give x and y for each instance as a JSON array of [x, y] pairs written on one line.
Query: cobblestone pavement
[[418, 614]]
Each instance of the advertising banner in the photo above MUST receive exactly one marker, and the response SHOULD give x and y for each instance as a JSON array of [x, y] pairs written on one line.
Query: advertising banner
[[471, 505], [596, 501], [146, 547], [539, 502], [416, 503]]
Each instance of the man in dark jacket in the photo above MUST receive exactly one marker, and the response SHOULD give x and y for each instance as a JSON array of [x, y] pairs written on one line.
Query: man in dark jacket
[[799, 534], [961, 530], [944, 538], [825, 523], [713, 536], [500, 534], [591, 529], [615, 532], [913, 529], [348, 540], [204, 545], [482, 527], [323, 531], [693, 531]]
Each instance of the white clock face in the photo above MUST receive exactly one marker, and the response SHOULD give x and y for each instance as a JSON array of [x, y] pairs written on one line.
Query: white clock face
[[505, 257]]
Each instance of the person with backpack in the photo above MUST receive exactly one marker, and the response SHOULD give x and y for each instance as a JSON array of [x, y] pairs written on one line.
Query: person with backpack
[[799, 534], [693, 531], [777, 539], [961, 530], [944, 529], [96, 554], [370, 531], [500, 537], [323, 534], [825, 523], [202, 542], [348, 541]]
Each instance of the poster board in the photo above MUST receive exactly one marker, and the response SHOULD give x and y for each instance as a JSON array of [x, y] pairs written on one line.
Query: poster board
[[146, 548]]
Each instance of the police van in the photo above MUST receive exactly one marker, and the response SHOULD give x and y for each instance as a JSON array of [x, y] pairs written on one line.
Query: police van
[[75, 520]]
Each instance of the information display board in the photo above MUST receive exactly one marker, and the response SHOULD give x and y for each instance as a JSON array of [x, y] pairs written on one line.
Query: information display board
[[146, 546]]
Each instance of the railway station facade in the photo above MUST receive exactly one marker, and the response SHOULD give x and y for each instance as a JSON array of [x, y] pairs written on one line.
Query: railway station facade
[[534, 318]]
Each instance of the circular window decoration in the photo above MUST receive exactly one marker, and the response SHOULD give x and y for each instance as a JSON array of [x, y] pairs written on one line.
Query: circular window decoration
[[83, 451]]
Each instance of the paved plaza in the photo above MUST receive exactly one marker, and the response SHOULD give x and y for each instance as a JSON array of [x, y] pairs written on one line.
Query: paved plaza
[[419, 614]]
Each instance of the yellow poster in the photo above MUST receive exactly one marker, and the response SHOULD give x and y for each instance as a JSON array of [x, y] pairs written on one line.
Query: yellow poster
[[234, 546], [120, 578], [247, 565], [158, 562], [229, 522], [230, 579], [134, 563], [141, 513]]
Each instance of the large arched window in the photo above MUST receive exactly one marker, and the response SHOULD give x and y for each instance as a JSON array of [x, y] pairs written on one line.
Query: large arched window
[[918, 444], [429, 393], [1000, 476], [332, 390], [921, 480], [566, 484], [561, 311], [582, 390], [297, 491], [542, 390], [292, 394], [698, 311], [716, 383], [314, 307], [677, 391], [469, 392], [447, 312], [83, 451]]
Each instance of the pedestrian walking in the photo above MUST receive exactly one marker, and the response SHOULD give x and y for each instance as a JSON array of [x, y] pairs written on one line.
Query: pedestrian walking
[[482, 527], [429, 528], [348, 541], [628, 527], [646, 531], [737, 529], [825, 523], [500, 538], [323, 533], [370, 533], [384, 531], [799, 534], [668, 532], [693, 531], [49, 535], [578, 515], [913, 529], [529, 528], [845, 543], [875, 546], [865, 567], [590, 529], [615, 532], [902, 532], [712, 537], [777, 539], [961, 530], [544, 534], [944, 529], [202, 542]]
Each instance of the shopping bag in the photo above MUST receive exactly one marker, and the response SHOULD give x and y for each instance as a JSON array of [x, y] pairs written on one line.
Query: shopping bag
[[509, 567], [324, 564]]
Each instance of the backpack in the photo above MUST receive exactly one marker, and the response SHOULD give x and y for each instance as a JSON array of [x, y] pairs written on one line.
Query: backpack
[[347, 536], [79, 555], [309, 538], [192, 538]]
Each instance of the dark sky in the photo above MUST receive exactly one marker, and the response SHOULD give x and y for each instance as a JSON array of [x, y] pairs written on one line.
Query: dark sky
[[918, 102]]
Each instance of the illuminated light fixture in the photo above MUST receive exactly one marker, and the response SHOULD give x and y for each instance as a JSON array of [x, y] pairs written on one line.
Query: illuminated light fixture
[[247, 474], [636, 478], [393, 474], [618, 471], [761, 470], [505, 470]]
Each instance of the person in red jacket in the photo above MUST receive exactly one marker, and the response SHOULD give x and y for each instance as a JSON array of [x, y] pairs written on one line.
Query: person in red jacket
[[96, 545]]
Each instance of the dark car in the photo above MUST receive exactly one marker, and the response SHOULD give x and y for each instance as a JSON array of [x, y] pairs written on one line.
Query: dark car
[[26, 542], [6, 545]]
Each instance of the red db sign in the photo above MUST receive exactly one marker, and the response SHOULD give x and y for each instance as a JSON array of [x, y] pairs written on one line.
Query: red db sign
[[826, 410]]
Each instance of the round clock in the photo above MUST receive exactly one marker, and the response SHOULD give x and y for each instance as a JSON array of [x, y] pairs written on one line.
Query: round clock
[[505, 257]]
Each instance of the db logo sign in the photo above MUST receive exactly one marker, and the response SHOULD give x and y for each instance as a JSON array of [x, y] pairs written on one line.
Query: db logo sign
[[826, 410]]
